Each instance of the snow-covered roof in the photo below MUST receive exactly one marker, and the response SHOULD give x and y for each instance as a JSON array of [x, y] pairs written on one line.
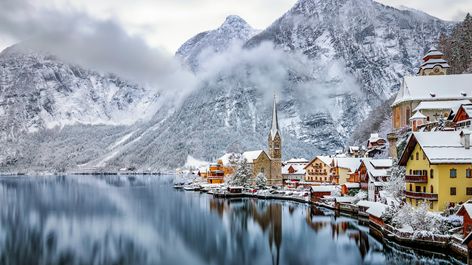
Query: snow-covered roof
[[323, 188], [374, 137], [352, 185], [250, 156], [467, 207], [377, 209], [381, 163], [325, 159], [435, 87], [432, 52], [345, 199], [418, 116], [348, 162], [441, 105], [299, 169], [442, 147], [297, 161], [353, 148]]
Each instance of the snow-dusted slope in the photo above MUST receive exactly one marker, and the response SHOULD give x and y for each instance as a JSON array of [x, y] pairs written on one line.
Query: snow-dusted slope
[[38, 91], [234, 30], [330, 62]]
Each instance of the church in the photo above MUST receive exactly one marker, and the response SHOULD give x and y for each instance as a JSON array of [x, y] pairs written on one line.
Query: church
[[432, 94], [269, 163]]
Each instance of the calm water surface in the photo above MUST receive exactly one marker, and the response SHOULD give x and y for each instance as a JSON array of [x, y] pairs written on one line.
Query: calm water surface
[[143, 220]]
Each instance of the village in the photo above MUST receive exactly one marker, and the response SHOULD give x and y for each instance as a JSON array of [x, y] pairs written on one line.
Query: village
[[412, 186]]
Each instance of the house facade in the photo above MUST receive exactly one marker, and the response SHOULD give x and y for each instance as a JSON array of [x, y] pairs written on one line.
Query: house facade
[[438, 168], [319, 170]]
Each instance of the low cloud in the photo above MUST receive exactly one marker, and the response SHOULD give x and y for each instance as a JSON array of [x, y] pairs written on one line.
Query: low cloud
[[269, 70], [102, 45]]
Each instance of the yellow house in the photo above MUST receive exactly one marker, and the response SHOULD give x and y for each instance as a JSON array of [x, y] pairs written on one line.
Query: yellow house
[[318, 169], [343, 167], [438, 168]]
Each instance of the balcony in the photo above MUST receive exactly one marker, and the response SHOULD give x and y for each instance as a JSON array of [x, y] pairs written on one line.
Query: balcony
[[416, 178], [421, 195]]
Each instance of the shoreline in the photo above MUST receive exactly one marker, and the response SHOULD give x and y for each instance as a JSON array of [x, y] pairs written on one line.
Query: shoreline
[[447, 245]]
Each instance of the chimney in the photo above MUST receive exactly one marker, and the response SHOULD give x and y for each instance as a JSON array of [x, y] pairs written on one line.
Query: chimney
[[392, 142], [465, 139]]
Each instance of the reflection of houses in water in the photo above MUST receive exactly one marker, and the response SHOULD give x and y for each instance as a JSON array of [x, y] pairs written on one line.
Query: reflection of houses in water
[[318, 220], [267, 216]]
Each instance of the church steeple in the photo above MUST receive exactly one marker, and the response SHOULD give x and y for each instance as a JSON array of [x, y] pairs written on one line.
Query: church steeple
[[275, 140], [275, 121]]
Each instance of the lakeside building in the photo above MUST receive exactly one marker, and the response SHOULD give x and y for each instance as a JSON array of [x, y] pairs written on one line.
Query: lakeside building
[[343, 167], [432, 92], [294, 169], [319, 170], [216, 173], [269, 163], [438, 168], [372, 174]]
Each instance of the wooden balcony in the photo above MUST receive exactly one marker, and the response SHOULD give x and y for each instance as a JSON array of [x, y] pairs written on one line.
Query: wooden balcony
[[416, 179], [421, 195]]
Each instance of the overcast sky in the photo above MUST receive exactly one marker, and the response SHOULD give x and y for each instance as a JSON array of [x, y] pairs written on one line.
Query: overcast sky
[[168, 23]]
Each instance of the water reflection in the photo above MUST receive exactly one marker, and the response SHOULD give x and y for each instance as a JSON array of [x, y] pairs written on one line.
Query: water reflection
[[142, 220]]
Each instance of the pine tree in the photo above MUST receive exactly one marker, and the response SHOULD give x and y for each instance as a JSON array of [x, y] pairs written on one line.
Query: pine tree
[[242, 176], [396, 183], [261, 180]]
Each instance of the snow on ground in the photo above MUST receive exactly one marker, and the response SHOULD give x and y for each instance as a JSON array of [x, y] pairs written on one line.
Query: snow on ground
[[195, 163]]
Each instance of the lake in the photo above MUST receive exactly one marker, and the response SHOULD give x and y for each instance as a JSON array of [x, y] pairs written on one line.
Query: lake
[[143, 220]]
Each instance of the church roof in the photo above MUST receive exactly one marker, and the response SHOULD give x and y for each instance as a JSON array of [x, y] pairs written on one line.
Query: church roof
[[434, 88], [453, 105], [433, 52], [275, 121], [252, 155]]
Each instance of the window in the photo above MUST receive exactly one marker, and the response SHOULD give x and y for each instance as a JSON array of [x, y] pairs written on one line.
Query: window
[[411, 187], [411, 172], [468, 173], [417, 156], [411, 157], [424, 189], [262, 170], [468, 191], [431, 189], [453, 172], [453, 191], [431, 173], [418, 189]]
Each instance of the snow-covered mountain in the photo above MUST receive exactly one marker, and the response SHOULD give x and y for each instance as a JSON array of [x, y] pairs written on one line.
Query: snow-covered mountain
[[328, 61], [233, 30]]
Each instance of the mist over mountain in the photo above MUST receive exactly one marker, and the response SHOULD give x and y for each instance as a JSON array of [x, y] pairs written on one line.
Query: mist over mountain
[[328, 62]]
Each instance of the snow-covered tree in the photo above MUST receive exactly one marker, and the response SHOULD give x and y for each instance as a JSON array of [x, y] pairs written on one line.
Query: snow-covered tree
[[261, 180], [396, 183], [242, 176]]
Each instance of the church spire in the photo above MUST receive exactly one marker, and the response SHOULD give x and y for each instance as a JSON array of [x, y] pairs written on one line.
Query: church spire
[[275, 121]]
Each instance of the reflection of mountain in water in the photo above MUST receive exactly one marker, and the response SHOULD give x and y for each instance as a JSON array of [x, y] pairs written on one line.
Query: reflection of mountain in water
[[86, 220]]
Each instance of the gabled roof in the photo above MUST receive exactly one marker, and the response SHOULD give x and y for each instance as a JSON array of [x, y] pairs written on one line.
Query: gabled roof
[[440, 147], [252, 155], [325, 159], [441, 105], [435, 87], [348, 162], [465, 208], [381, 163], [299, 169], [297, 161], [418, 116], [467, 108]]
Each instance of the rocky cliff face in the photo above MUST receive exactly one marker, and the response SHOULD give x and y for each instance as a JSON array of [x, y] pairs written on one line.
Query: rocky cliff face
[[330, 62]]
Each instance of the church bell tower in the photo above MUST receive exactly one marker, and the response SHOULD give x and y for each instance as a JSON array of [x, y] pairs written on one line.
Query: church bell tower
[[275, 149]]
